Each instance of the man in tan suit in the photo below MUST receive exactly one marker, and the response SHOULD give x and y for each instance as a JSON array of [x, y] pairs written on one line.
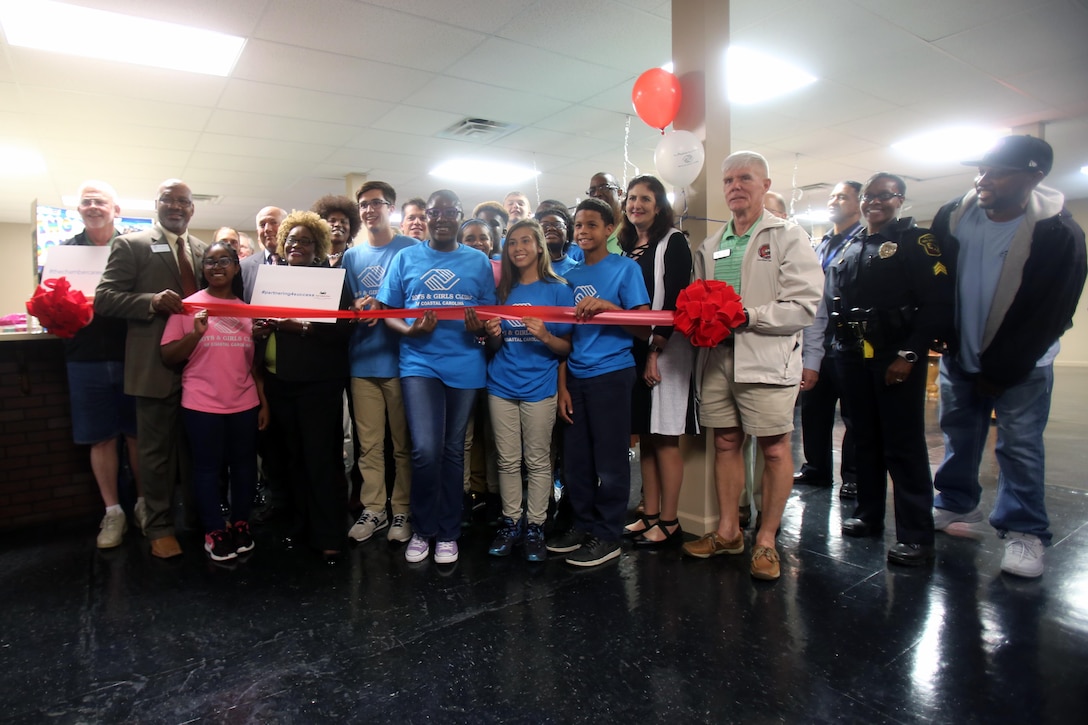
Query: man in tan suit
[[147, 276]]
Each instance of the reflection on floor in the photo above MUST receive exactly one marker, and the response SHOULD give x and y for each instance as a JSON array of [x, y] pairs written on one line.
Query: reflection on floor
[[119, 637]]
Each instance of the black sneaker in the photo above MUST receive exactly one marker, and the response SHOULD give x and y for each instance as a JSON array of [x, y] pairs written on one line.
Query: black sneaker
[[594, 552], [569, 540], [534, 543], [243, 539], [510, 535], [220, 545]]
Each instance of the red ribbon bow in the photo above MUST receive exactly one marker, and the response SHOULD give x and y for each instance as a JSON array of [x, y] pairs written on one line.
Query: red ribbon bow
[[707, 311], [62, 310]]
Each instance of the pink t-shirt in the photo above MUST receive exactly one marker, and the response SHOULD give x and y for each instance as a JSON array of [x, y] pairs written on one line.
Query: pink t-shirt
[[219, 375]]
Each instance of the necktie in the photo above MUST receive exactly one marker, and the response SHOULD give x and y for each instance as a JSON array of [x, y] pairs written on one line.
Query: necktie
[[188, 279], [272, 258]]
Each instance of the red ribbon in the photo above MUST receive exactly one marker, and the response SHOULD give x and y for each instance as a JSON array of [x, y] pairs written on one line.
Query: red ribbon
[[484, 312]]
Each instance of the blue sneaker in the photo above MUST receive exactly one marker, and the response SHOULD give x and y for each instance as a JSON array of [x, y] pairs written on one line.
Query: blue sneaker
[[534, 543], [509, 535]]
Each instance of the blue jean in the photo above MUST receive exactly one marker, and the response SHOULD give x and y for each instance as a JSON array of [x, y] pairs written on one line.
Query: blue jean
[[215, 439], [1022, 413], [437, 420], [595, 446]]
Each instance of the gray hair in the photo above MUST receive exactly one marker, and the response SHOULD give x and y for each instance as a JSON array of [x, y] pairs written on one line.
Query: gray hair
[[98, 186], [744, 159]]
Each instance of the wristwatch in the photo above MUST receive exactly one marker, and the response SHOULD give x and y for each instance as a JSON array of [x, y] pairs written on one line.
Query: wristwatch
[[911, 357]]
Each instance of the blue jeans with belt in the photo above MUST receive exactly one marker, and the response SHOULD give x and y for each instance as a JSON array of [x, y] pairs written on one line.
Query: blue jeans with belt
[[1022, 413]]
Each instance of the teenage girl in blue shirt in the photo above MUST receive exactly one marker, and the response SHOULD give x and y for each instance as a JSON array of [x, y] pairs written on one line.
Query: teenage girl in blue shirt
[[522, 386]]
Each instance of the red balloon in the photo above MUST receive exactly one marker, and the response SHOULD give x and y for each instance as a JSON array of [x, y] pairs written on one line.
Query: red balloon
[[656, 97]]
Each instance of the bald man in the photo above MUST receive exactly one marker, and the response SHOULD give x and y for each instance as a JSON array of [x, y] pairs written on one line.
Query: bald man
[[268, 226], [147, 276]]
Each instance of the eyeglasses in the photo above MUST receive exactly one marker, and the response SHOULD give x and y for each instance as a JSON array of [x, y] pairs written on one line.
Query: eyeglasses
[[101, 203], [450, 214], [171, 201], [598, 189], [553, 225], [220, 262], [882, 196], [299, 242], [375, 204]]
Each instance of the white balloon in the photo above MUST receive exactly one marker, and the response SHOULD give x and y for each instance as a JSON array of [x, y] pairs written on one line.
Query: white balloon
[[679, 158]]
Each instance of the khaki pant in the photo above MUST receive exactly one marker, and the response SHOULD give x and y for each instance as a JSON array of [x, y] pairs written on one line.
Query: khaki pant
[[375, 399], [523, 430]]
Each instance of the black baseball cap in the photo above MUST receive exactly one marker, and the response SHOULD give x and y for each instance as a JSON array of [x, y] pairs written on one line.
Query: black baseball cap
[[1018, 153]]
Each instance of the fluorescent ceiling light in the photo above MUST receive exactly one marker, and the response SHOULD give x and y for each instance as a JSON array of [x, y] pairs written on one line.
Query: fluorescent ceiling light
[[747, 71], [472, 171], [90, 33], [1084, 169], [950, 145], [72, 200], [16, 161]]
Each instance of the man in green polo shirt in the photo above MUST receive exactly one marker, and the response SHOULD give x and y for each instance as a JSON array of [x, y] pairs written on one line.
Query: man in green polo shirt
[[750, 381]]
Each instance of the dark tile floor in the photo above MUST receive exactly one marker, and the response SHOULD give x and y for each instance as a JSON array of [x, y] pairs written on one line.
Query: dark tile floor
[[117, 636]]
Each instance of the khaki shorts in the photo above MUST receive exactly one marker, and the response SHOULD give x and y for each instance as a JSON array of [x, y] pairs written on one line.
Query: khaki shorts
[[760, 409]]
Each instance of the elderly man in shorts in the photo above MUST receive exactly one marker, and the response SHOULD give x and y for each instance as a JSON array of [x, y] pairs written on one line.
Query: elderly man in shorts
[[749, 382]]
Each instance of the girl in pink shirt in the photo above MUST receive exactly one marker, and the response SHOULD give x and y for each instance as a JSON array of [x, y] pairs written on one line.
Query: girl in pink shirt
[[222, 400]]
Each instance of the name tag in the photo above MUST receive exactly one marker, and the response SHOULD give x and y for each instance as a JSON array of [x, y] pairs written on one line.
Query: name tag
[[156, 248], [722, 253]]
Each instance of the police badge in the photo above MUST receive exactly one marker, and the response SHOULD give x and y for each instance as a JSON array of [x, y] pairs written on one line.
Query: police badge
[[887, 249]]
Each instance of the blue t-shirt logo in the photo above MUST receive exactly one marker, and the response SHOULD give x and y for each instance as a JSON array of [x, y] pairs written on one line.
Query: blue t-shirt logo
[[518, 324], [584, 290], [372, 277], [440, 280]]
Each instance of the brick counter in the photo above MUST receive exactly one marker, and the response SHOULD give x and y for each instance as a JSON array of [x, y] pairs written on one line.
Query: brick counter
[[44, 477]]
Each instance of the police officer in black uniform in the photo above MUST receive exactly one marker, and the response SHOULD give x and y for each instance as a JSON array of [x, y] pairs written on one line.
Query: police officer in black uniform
[[892, 298]]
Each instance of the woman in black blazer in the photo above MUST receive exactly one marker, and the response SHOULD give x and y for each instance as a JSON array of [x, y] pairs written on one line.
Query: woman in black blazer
[[306, 366]]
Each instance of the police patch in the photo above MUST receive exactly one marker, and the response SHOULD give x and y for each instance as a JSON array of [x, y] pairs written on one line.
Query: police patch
[[765, 252], [928, 242]]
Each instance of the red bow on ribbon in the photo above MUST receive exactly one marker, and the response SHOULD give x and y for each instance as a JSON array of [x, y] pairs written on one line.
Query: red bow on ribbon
[[707, 311], [62, 310]]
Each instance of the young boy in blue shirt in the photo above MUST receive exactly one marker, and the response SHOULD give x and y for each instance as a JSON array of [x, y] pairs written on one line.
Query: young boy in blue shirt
[[595, 392]]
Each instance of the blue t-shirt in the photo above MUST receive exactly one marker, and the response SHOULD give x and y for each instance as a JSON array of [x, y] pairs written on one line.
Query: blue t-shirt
[[564, 265], [524, 368], [374, 351], [575, 252], [422, 277], [600, 349]]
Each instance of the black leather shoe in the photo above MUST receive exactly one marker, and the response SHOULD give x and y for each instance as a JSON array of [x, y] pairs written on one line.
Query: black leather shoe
[[804, 479], [848, 489], [858, 528], [911, 554]]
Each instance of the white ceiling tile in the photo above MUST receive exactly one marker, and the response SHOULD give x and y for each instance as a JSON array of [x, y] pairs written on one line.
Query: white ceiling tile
[[274, 127], [121, 80], [519, 66], [484, 101], [414, 120], [111, 109], [561, 144], [287, 65], [604, 32], [486, 16], [277, 149], [232, 162], [292, 102], [360, 30]]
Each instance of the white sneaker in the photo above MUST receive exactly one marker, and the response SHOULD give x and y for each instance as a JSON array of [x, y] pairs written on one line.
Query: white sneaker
[[140, 514], [1023, 555], [956, 524], [368, 523], [112, 530], [401, 530]]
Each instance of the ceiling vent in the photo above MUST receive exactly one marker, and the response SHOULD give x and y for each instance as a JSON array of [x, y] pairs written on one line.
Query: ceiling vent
[[816, 187], [208, 198], [478, 130]]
